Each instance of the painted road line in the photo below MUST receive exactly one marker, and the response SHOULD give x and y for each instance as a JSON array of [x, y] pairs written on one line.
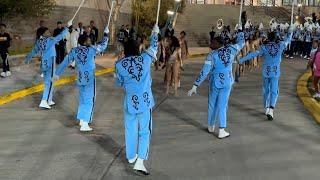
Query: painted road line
[[310, 103], [7, 98]]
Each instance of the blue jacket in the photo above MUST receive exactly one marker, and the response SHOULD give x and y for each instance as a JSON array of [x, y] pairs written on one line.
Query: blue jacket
[[45, 47], [133, 74], [219, 64], [272, 54], [85, 60]]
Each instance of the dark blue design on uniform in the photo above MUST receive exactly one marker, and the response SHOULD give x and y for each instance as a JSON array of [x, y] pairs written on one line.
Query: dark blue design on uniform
[[275, 70], [134, 66], [273, 49], [221, 76], [86, 76], [135, 101], [82, 54], [146, 98], [42, 44], [224, 55]]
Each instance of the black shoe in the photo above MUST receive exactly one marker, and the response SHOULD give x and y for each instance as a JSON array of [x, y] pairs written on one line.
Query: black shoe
[[270, 118], [140, 172]]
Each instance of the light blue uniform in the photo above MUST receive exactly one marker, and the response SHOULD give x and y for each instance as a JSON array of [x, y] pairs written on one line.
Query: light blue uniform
[[45, 47], [272, 54], [85, 62], [219, 65], [133, 74]]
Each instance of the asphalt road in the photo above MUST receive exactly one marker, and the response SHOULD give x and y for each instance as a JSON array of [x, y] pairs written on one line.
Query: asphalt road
[[39, 144]]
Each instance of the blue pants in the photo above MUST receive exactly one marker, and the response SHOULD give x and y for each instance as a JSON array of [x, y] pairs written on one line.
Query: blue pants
[[87, 97], [270, 91], [48, 85], [138, 129], [218, 105]]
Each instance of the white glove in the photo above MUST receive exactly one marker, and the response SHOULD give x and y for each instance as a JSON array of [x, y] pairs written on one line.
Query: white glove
[[192, 91], [156, 29], [69, 23], [55, 78], [106, 30]]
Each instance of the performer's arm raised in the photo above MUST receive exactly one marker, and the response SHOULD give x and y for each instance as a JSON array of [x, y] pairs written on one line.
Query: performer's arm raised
[[102, 46], [153, 49], [288, 39]]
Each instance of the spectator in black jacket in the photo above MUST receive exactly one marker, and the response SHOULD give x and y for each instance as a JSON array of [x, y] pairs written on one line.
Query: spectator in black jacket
[[61, 46], [94, 31], [5, 42], [212, 34]]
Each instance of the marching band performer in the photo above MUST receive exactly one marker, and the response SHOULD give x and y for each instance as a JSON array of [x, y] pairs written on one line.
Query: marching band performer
[[133, 74], [45, 47], [84, 56], [219, 64], [271, 51]]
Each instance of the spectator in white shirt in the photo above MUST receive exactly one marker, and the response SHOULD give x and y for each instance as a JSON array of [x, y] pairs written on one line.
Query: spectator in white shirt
[[72, 42]]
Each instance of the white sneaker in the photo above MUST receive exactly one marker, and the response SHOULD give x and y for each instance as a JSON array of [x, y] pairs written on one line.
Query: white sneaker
[[267, 111], [8, 73], [291, 57], [85, 127], [223, 134], [51, 103], [211, 129], [131, 161], [270, 114], [3, 74], [140, 168], [44, 104], [305, 57]]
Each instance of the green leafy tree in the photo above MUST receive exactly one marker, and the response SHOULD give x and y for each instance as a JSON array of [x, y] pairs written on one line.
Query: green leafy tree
[[28, 8], [145, 12]]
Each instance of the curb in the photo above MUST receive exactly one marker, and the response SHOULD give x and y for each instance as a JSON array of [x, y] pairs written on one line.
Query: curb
[[311, 104], [4, 99]]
